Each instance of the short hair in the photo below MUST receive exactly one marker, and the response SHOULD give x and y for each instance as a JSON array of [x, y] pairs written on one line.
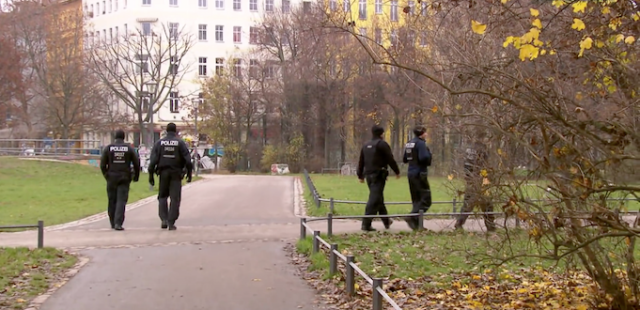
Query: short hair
[[171, 127], [119, 134], [377, 130], [419, 130]]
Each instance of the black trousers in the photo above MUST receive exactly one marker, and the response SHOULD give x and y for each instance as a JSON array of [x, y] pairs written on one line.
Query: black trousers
[[473, 197], [170, 187], [375, 205], [420, 195], [118, 194]]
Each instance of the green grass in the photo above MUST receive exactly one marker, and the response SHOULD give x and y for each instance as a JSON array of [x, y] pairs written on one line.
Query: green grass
[[55, 192], [397, 190], [25, 274]]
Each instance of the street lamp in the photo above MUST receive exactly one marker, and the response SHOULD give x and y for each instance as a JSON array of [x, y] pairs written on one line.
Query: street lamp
[[151, 90]]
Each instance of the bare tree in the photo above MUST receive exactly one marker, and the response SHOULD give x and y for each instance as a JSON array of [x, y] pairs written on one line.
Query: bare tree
[[142, 68]]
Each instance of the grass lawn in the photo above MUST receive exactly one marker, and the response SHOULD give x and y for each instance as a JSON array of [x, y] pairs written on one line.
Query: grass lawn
[[397, 190], [25, 274], [55, 192], [445, 271]]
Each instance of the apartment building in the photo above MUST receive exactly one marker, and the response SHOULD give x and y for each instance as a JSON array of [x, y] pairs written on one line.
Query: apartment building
[[219, 28]]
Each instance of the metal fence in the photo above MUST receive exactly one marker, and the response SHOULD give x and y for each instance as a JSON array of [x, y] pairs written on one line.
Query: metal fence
[[39, 226], [377, 291], [52, 147]]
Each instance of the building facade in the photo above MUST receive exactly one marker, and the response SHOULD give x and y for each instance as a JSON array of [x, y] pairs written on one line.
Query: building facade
[[219, 29]]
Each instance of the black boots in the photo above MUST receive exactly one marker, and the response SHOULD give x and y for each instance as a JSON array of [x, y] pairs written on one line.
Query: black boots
[[164, 224]]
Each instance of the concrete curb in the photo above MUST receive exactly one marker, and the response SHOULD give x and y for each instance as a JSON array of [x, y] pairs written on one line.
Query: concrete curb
[[37, 302], [103, 215], [299, 204]]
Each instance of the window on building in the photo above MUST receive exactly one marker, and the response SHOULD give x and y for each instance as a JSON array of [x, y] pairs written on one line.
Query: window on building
[[237, 68], [220, 4], [110, 6], [362, 9], [145, 104], [97, 9], [143, 63], [202, 66], [363, 31], [378, 36], [93, 11], [423, 10], [219, 33], [146, 2], [146, 28], [219, 66], [110, 34], [333, 5], [378, 7], [253, 35], [412, 7], [411, 37], [202, 3], [115, 5], [202, 32], [237, 34], [268, 5], [117, 35], [104, 35], [173, 2], [174, 31], [393, 36], [286, 6], [174, 102], [394, 11], [174, 65], [126, 30], [237, 5], [270, 71], [253, 5], [253, 68], [104, 7], [346, 5]]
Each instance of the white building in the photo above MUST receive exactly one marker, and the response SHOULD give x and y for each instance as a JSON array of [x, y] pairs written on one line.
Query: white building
[[221, 28]]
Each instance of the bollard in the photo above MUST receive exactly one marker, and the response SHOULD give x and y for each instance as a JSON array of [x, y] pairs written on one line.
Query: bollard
[[377, 297], [331, 205], [350, 281], [333, 259], [455, 207], [40, 234], [316, 242], [303, 229], [330, 224], [421, 220]]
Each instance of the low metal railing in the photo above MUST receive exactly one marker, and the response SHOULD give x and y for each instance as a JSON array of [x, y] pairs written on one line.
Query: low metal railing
[[39, 226], [377, 291]]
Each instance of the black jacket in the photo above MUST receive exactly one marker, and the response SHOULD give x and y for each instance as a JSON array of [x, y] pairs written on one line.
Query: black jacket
[[117, 159], [418, 155], [375, 156], [170, 154]]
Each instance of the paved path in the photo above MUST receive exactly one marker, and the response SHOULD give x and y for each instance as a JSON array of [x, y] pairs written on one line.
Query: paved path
[[226, 254]]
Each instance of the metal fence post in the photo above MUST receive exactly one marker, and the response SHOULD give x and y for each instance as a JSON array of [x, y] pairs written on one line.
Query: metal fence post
[[455, 207], [316, 242], [333, 259], [40, 234], [330, 224], [303, 229], [377, 298], [350, 282], [331, 205], [421, 220]]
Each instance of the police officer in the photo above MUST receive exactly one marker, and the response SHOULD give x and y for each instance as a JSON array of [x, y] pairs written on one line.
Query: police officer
[[169, 159], [116, 164], [474, 162], [375, 156], [418, 155]]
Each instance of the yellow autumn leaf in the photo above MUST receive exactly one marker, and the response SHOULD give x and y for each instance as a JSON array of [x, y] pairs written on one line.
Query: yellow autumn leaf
[[585, 44], [537, 23], [504, 1], [529, 51], [458, 107], [579, 6], [599, 43], [629, 40], [557, 3], [606, 10], [450, 177], [577, 24], [434, 109], [485, 181], [508, 41], [534, 12], [484, 173], [619, 38], [478, 27], [636, 16], [552, 52]]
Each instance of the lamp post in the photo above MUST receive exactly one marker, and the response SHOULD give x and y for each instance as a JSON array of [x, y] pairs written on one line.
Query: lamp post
[[151, 90], [197, 102]]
